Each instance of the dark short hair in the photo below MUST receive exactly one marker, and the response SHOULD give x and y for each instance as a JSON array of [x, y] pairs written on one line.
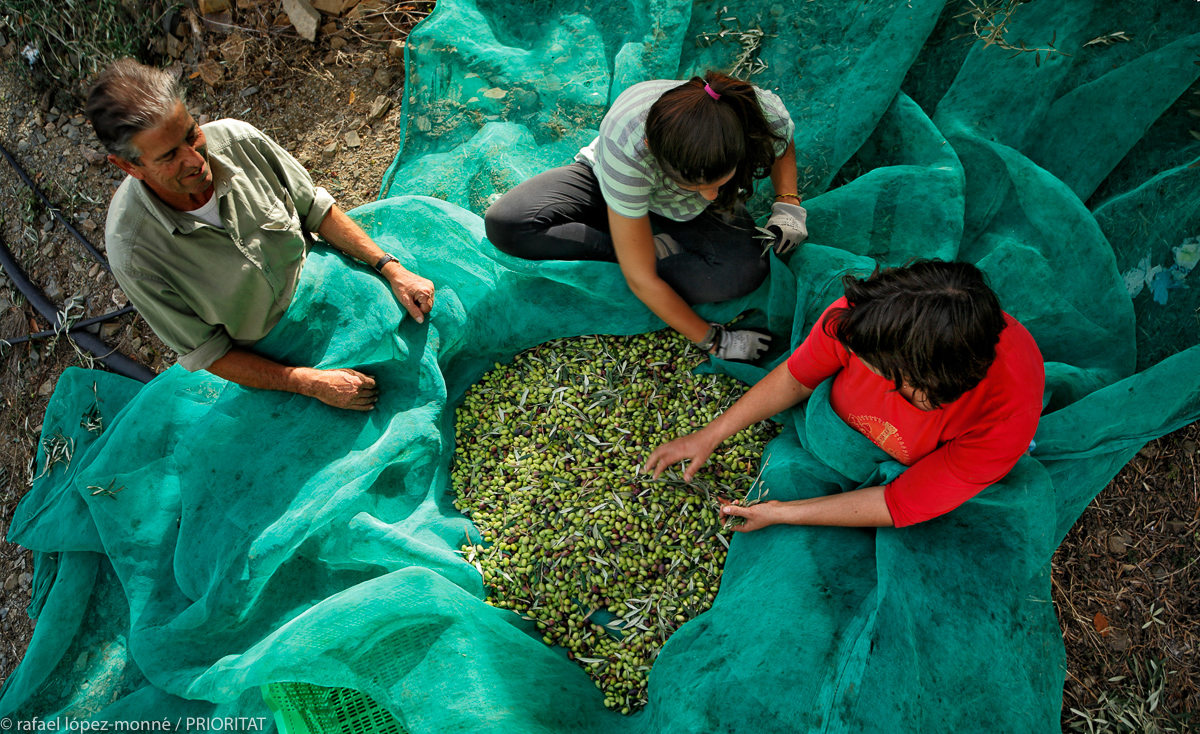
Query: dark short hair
[[128, 98], [933, 324], [697, 139]]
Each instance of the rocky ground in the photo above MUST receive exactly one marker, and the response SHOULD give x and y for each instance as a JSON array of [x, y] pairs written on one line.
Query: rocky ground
[[1126, 583]]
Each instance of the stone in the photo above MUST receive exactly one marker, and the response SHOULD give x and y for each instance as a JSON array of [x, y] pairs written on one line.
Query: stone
[[175, 46], [1117, 544], [233, 49], [219, 22], [91, 155], [41, 139], [247, 92], [5, 304], [365, 8], [82, 661], [330, 152], [379, 108], [25, 579], [47, 101], [1118, 639], [46, 388], [10, 583], [119, 298], [88, 226], [23, 146], [72, 133], [212, 7], [329, 29], [211, 72], [337, 43], [136, 343], [383, 77], [495, 93], [48, 226], [396, 50], [352, 139], [304, 17], [53, 292], [1176, 527], [92, 271], [1189, 447], [330, 7], [109, 330]]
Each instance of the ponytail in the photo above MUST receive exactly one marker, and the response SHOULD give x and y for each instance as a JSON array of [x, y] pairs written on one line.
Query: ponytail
[[705, 128]]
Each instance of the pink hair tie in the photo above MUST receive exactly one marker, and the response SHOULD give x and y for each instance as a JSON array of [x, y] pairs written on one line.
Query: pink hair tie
[[710, 91]]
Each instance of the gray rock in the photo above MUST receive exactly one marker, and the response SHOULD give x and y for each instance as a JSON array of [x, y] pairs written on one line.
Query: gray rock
[[248, 91], [23, 146], [10, 583], [109, 330], [330, 152], [49, 225], [383, 77], [379, 108], [53, 292], [72, 133], [41, 139], [352, 139], [304, 16]]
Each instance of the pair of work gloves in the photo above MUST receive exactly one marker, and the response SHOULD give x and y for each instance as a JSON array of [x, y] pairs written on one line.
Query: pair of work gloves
[[786, 228]]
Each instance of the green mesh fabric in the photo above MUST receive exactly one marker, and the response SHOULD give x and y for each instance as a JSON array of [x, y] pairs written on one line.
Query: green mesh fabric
[[260, 537]]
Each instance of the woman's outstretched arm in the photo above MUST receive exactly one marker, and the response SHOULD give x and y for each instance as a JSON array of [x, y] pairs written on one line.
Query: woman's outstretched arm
[[773, 394]]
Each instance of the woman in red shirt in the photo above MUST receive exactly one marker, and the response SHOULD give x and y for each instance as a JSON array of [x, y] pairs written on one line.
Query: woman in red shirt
[[926, 365]]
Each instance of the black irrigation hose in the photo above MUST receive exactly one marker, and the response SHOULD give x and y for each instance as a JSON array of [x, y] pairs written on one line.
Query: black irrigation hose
[[73, 328], [53, 210], [111, 358]]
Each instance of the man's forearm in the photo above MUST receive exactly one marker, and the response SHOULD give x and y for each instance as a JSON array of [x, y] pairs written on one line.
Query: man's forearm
[[344, 234], [252, 370], [340, 388]]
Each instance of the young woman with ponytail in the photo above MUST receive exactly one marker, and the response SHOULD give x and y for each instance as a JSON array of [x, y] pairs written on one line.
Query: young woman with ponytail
[[661, 191]]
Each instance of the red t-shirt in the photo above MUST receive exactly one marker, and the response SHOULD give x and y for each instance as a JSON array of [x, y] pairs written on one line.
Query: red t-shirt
[[954, 451]]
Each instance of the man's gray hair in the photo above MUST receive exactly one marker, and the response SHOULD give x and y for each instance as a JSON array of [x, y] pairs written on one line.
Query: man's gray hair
[[128, 98]]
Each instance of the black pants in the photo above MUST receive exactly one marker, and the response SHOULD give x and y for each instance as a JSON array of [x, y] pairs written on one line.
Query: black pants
[[561, 215]]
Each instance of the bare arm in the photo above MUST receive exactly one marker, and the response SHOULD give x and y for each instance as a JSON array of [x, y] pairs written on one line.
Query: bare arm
[[773, 394], [783, 175], [344, 388], [633, 241], [414, 292], [861, 508]]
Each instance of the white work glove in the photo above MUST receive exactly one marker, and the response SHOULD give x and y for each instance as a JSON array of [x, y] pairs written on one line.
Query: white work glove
[[787, 223], [743, 345]]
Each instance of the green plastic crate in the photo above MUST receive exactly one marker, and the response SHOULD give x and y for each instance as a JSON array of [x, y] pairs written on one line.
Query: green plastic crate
[[302, 708]]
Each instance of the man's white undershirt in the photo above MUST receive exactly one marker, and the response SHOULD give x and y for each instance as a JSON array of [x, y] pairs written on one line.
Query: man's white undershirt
[[209, 213]]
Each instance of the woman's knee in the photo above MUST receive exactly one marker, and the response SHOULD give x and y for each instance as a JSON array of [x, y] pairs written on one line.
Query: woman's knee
[[502, 223]]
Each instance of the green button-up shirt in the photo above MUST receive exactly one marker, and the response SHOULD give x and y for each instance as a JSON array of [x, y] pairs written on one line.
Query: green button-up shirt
[[204, 289]]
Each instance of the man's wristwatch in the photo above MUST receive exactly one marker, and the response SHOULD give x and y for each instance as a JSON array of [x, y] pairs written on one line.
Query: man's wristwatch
[[384, 261]]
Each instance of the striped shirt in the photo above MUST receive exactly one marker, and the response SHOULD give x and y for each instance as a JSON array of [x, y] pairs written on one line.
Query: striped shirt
[[631, 181]]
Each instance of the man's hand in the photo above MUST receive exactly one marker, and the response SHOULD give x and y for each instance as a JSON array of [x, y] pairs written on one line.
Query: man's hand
[[342, 388], [695, 446], [414, 292], [757, 516]]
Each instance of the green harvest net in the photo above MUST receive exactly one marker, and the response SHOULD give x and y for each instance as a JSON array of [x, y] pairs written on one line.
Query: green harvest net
[[259, 538]]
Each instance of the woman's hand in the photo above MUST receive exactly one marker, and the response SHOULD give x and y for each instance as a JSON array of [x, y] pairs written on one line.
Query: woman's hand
[[757, 516], [695, 446]]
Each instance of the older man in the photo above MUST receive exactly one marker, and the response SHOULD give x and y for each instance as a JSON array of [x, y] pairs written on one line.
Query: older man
[[209, 233]]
